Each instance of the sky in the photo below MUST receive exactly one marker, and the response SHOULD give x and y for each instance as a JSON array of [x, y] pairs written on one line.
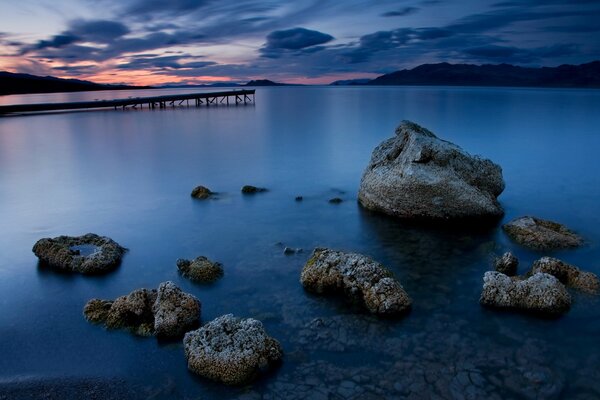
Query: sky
[[154, 42]]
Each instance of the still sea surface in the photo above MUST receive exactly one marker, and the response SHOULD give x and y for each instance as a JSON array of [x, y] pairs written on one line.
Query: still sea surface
[[128, 175]]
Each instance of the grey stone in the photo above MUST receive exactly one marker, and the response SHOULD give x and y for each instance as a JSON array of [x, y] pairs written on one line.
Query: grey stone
[[541, 234], [360, 278], [231, 350], [200, 269], [168, 312], [541, 293], [416, 175], [87, 254], [568, 274]]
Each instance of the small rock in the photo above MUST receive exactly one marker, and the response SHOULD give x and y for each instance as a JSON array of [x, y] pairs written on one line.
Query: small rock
[[231, 350], [201, 192], [299, 198], [249, 189], [201, 269], [168, 312], [507, 264], [541, 234], [362, 279], [568, 274], [541, 293], [87, 254], [335, 200]]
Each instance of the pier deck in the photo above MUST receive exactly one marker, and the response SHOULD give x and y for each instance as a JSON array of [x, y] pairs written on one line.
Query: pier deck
[[242, 96]]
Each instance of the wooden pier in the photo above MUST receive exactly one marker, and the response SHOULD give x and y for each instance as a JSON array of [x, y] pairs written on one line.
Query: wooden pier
[[242, 96]]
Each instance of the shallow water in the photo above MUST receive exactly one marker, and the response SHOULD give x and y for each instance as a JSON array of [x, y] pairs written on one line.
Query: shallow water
[[128, 175]]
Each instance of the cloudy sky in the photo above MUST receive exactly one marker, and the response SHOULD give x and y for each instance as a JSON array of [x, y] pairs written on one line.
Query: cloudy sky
[[303, 41]]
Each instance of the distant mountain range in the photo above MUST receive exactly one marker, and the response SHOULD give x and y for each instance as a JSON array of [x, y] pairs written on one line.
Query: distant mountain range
[[24, 83], [443, 74]]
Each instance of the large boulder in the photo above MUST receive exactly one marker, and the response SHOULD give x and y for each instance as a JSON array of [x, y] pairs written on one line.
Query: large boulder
[[166, 312], [541, 293], [568, 274], [361, 279], [87, 254], [231, 350], [541, 234], [416, 175], [200, 269]]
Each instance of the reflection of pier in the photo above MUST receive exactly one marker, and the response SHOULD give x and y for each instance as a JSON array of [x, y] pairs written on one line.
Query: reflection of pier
[[196, 99]]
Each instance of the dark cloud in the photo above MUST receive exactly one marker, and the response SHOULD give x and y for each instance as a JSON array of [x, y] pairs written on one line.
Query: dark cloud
[[56, 41], [401, 12], [164, 62], [292, 40], [99, 31]]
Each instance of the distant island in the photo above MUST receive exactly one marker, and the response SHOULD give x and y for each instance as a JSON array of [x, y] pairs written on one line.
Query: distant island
[[445, 74], [441, 74], [11, 83]]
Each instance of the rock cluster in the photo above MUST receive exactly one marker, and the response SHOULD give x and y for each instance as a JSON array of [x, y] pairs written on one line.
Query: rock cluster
[[416, 175], [202, 193], [166, 312], [87, 254], [231, 350], [360, 278], [568, 274], [507, 264], [541, 234], [201, 269], [540, 293]]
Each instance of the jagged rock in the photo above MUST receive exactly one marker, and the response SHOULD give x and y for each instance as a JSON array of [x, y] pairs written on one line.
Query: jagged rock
[[541, 293], [231, 350], [568, 274], [541, 234], [249, 189], [97, 310], [201, 269], [87, 254], [416, 175], [167, 312], [175, 312], [507, 264], [360, 278], [201, 192]]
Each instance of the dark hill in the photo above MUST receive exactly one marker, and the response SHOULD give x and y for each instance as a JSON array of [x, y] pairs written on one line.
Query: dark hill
[[11, 83], [584, 75]]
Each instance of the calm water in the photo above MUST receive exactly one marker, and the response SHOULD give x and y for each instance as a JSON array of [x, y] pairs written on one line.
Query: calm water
[[128, 175]]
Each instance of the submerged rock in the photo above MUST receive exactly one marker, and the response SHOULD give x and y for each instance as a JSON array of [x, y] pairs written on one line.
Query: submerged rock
[[168, 312], [360, 278], [336, 200], [87, 254], [249, 189], [568, 274], [541, 293], [201, 269], [507, 264], [231, 350], [288, 251], [201, 192], [416, 175], [299, 198], [541, 234]]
